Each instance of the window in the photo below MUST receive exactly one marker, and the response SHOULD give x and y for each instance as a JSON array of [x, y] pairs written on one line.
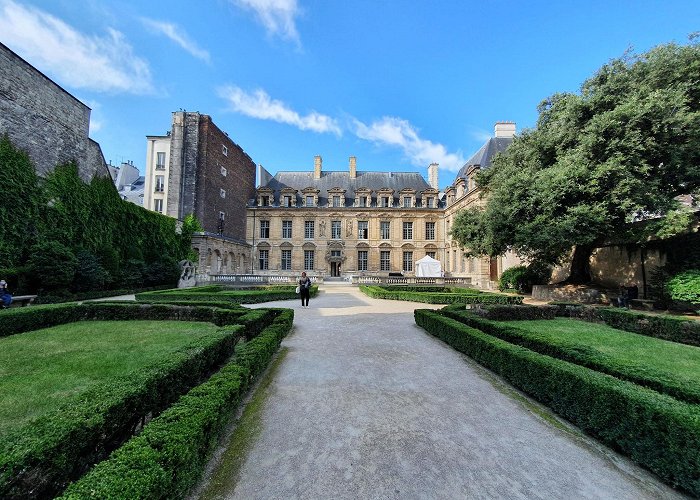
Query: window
[[222, 215], [264, 228], [384, 230], [224, 171], [429, 230], [408, 261], [222, 193], [408, 230], [362, 260], [363, 201], [336, 229], [384, 261], [385, 201], [431, 202], [265, 201], [430, 254], [160, 183], [286, 260], [158, 205], [309, 201], [287, 201], [160, 161], [224, 150], [264, 259], [308, 229], [407, 202], [308, 260], [362, 230], [286, 229], [336, 201]]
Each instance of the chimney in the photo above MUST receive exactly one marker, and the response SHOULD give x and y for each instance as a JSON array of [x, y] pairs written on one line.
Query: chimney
[[433, 175], [317, 166], [505, 129], [353, 167]]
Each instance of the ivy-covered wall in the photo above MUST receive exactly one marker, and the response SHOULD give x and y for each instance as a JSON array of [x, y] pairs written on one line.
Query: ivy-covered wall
[[60, 235]]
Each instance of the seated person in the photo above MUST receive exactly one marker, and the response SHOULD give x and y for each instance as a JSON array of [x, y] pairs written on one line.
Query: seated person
[[5, 295], [623, 299]]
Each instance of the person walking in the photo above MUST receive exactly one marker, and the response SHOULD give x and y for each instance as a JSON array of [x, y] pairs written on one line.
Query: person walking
[[305, 290]]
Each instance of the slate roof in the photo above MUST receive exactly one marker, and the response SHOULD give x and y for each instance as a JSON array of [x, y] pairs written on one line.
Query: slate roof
[[329, 180], [484, 156]]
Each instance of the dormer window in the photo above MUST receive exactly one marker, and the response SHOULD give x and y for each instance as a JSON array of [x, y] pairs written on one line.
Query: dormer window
[[265, 201], [336, 201], [363, 201], [407, 202], [431, 202], [287, 201], [309, 201]]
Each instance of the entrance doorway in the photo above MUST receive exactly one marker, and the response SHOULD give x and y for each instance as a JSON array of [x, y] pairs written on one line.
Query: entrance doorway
[[335, 269]]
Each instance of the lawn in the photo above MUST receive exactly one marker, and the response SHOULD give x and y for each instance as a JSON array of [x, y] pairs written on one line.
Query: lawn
[[43, 369], [668, 366]]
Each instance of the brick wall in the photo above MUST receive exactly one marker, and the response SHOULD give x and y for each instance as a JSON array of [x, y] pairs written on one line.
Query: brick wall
[[43, 119]]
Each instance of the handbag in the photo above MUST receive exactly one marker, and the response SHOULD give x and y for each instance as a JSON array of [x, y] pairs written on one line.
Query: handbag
[[296, 290]]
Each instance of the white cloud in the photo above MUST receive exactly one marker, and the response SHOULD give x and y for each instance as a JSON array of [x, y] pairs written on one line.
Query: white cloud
[[401, 134], [177, 35], [258, 104], [277, 16], [100, 63]]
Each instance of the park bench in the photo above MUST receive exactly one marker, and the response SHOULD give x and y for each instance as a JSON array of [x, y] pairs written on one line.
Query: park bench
[[22, 300], [643, 304]]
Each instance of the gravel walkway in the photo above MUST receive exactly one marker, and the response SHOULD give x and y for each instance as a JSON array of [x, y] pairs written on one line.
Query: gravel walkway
[[364, 404]]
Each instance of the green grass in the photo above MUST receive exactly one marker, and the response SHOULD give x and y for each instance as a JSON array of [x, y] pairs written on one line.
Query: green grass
[[662, 365], [43, 369]]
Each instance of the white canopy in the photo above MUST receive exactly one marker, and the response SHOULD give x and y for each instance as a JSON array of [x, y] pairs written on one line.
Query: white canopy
[[427, 267]]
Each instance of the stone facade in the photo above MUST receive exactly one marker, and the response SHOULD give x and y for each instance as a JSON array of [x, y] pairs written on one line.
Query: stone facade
[[43, 119], [220, 255]]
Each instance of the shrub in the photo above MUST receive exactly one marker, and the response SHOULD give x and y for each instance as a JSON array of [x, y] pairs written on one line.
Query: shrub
[[655, 430], [522, 278], [215, 293], [685, 287], [378, 292], [89, 273], [52, 265], [663, 327], [168, 457]]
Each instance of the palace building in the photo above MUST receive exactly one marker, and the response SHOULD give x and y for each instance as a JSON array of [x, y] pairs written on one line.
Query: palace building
[[340, 223]]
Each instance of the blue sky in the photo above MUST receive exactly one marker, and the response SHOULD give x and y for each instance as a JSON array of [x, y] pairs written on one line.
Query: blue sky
[[398, 84]]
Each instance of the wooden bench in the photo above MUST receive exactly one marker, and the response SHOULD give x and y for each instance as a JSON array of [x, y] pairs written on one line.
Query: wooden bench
[[644, 304], [22, 300]]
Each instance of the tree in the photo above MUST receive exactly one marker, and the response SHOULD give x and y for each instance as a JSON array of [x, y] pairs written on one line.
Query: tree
[[618, 152]]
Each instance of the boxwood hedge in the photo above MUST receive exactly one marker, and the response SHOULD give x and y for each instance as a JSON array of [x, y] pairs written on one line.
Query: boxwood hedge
[[215, 293], [655, 430], [378, 292], [168, 457]]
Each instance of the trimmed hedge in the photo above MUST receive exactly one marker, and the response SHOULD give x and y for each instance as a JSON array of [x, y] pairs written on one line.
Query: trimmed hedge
[[656, 431], [663, 327], [168, 457], [377, 292], [436, 289], [25, 319], [215, 293], [39, 459], [581, 355]]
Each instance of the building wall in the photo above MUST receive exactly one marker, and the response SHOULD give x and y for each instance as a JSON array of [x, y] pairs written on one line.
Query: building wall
[[43, 119], [155, 145]]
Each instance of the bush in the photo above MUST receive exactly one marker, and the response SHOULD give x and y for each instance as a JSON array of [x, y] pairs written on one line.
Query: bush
[[379, 292], [215, 293], [655, 430], [52, 265], [663, 327], [522, 278], [89, 273], [685, 287], [168, 457]]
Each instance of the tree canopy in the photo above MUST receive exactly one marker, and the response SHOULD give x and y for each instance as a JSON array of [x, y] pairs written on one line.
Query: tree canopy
[[618, 152]]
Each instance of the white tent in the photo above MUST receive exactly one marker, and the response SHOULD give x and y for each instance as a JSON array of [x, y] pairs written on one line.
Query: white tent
[[427, 267]]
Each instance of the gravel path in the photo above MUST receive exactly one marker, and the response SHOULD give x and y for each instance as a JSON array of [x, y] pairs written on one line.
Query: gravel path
[[364, 404]]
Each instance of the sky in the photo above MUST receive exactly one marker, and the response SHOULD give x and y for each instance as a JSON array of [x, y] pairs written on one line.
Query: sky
[[398, 84]]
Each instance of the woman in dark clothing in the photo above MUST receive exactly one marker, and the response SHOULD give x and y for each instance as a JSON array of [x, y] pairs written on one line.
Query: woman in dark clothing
[[5, 295], [304, 289]]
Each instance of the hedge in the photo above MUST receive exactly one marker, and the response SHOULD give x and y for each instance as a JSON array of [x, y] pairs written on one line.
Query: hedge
[[25, 319], [656, 431], [378, 292], [168, 457], [213, 293], [427, 288], [39, 459], [581, 355]]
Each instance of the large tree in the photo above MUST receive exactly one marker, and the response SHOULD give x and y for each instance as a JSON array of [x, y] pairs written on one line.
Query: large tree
[[618, 152]]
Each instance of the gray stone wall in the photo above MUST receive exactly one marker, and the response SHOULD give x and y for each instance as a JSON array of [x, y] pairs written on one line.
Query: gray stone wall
[[44, 120]]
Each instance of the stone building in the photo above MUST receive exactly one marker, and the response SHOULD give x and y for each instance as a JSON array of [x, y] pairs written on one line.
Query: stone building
[[197, 169], [128, 181], [344, 223], [464, 193], [44, 120]]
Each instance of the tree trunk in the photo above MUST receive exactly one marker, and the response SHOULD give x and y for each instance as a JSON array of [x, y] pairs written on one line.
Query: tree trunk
[[580, 273]]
